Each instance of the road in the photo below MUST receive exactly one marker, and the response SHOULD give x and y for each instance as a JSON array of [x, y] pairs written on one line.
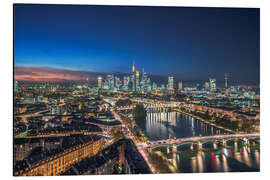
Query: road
[[136, 141]]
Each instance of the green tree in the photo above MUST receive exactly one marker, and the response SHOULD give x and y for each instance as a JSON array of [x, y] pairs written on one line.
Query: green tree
[[139, 113]]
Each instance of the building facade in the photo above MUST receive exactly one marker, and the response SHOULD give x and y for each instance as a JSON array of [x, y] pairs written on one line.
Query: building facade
[[59, 163]]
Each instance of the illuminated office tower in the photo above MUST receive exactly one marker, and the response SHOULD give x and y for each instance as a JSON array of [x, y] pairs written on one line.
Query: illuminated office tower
[[213, 85], [112, 82], [133, 81], [106, 84], [117, 83], [154, 87], [16, 86], [137, 80], [126, 83], [180, 86], [143, 81], [126, 80], [206, 86], [147, 85], [133, 77], [99, 82], [170, 83], [133, 68], [162, 86]]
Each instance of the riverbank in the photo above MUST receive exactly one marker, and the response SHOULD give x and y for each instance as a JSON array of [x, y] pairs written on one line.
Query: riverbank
[[206, 122], [162, 163], [152, 129], [223, 159]]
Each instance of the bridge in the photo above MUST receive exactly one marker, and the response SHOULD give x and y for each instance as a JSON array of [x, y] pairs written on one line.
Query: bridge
[[160, 107], [148, 103], [172, 144], [200, 140]]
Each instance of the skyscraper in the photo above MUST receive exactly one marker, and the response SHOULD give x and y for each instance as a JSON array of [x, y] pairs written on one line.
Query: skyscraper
[[206, 86], [99, 82], [170, 83], [137, 80], [154, 86], [118, 83], [180, 86], [126, 83], [112, 82], [133, 77], [212, 84], [16, 86], [162, 87], [106, 84], [133, 67]]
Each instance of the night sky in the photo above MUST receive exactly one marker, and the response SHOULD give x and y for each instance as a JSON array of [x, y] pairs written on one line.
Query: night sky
[[189, 43]]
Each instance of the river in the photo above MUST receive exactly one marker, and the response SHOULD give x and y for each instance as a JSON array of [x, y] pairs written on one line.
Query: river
[[236, 157]]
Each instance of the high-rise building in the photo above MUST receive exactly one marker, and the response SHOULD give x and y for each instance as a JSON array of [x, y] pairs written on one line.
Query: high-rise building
[[126, 80], [180, 86], [133, 68], [154, 86], [118, 83], [112, 82], [99, 82], [144, 82], [106, 84], [206, 86], [213, 85], [133, 82], [109, 83], [137, 80], [126, 83], [162, 86], [170, 83], [133, 77], [16, 86]]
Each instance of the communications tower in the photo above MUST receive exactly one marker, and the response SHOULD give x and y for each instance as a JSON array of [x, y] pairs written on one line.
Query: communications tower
[[226, 80]]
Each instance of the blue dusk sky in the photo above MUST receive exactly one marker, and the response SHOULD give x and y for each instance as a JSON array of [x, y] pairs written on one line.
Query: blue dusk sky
[[188, 43]]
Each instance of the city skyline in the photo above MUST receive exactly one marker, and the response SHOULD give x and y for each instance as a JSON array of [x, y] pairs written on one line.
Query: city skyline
[[187, 48], [101, 90], [47, 74]]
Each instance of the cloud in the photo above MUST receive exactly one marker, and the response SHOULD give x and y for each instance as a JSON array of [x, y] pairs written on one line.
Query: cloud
[[52, 75]]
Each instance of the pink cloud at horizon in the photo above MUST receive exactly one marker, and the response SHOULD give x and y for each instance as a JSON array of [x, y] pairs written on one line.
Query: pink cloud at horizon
[[50, 74]]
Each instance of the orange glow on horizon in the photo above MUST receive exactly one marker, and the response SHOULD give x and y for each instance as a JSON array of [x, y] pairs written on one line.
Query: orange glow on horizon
[[47, 74]]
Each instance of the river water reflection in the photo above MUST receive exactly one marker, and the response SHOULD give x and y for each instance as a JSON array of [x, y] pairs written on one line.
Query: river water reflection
[[236, 157], [173, 124]]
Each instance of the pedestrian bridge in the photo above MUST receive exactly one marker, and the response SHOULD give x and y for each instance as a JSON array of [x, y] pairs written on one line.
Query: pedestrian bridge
[[199, 140]]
